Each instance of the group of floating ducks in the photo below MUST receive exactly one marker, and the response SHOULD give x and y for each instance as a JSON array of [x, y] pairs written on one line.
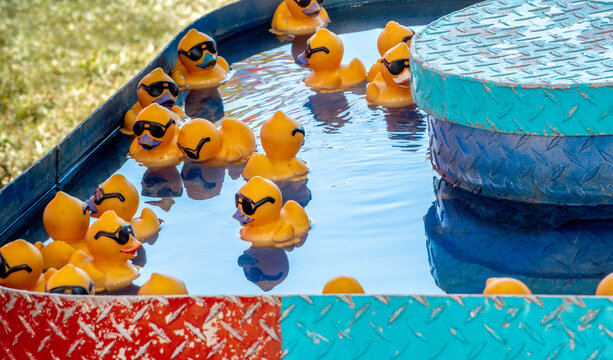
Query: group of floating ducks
[[85, 258]]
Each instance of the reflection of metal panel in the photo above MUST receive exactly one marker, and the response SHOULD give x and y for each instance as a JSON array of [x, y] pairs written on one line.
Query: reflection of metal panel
[[34, 326], [569, 170], [448, 327], [530, 67]]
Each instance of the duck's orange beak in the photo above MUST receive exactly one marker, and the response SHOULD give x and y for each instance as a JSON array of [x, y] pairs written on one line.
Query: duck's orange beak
[[132, 246]]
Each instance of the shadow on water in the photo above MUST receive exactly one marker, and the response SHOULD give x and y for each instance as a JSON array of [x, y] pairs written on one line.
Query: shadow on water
[[471, 238], [163, 183]]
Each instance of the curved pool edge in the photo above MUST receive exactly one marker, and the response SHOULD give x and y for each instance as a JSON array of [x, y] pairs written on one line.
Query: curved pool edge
[[299, 327]]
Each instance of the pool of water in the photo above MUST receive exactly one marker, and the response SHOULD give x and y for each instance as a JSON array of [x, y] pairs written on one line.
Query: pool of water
[[378, 211]]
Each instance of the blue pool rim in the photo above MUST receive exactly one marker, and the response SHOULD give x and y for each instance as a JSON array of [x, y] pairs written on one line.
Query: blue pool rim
[[562, 170], [502, 65], [402, 326]]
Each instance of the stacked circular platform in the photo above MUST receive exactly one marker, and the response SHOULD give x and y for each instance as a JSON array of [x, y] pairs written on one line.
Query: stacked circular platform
[[520, 99]]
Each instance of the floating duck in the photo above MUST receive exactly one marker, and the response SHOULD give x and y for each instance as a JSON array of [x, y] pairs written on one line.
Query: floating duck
[[323, 55], [21, 266], [111, 243], [119, 195], [265, 220], [85, 262], [343, 285], [299, 17], [155, 87], [232, 144], [198, 65], [505, 286], [156, 133], [70, 280], [605, 287], [392, 35], [160, 284], [56, 254], [281, 138], [66, 218], [392, 86]]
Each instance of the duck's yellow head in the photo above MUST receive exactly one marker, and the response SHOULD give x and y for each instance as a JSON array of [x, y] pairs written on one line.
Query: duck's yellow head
[[111, 240], [281, 137], [21, 264], [324, 52], [197, 51], [258, 202], [157, 87], [70, 280], [392, 35], [605, 287], [66, 218], [395, 67], [505, 286], [343, 285], [117, 194], [155, 127], [304, 8], [160, 284], [199, 140]]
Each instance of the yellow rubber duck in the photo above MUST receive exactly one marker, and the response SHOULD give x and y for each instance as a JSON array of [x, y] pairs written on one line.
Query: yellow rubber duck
[[56, 254], [392, 35], [232, 144], [343, 285], [85, 262], [160, 284], [155, 87], [265, 220], [281, 138], [605, 287], [198, 65], [21, 266], [66, 218], [505, 286], [392, 86], [323, 55], [156, 133], [299, 17], [111, 243], [70, 280], [121, 196]]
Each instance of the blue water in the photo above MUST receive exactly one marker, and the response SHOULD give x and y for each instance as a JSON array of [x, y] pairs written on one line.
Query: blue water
[[369, 186]]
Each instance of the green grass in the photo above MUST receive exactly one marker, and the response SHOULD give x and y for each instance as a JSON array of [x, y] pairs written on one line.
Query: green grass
[[61, 59]]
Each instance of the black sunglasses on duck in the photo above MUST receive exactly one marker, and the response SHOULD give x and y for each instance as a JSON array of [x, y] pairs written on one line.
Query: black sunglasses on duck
[[100, 196], [194, 154], [197, 50], [156, 130], [305, 3], [72, 290], [157, 88], [397, 66], [121, 235], [249, 207], [310, 51], [6, 270]]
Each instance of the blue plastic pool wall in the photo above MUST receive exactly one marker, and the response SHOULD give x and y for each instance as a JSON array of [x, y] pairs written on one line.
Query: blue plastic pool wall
[[441, 327]]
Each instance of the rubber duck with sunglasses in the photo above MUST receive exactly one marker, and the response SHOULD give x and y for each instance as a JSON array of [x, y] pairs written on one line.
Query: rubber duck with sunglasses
[[392, 86], [201, 141], [392, 35], [299, 17], [156, 133], [112, 244], [121, 196], [323, 55], [265, 219], [155, 87], [21, 266], [198, 65]]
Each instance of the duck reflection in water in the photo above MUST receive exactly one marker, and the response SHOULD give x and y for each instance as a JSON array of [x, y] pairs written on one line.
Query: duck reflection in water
[[406, 125], [163, 183], [330, 110], [204, 104], [295, 190], [266, 267], [202, 182], [471, 238]]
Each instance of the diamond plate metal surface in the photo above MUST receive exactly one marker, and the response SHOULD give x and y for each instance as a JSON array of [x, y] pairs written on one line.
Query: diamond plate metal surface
[[539, 66], [565, 170], [39, 326], [446, 327], [471, 238]]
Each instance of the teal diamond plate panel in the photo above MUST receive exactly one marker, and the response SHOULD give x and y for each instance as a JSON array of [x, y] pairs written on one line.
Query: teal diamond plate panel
[[446, 327], [542, 67]]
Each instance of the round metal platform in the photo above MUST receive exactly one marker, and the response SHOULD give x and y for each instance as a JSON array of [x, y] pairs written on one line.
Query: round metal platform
[[539, 67]]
